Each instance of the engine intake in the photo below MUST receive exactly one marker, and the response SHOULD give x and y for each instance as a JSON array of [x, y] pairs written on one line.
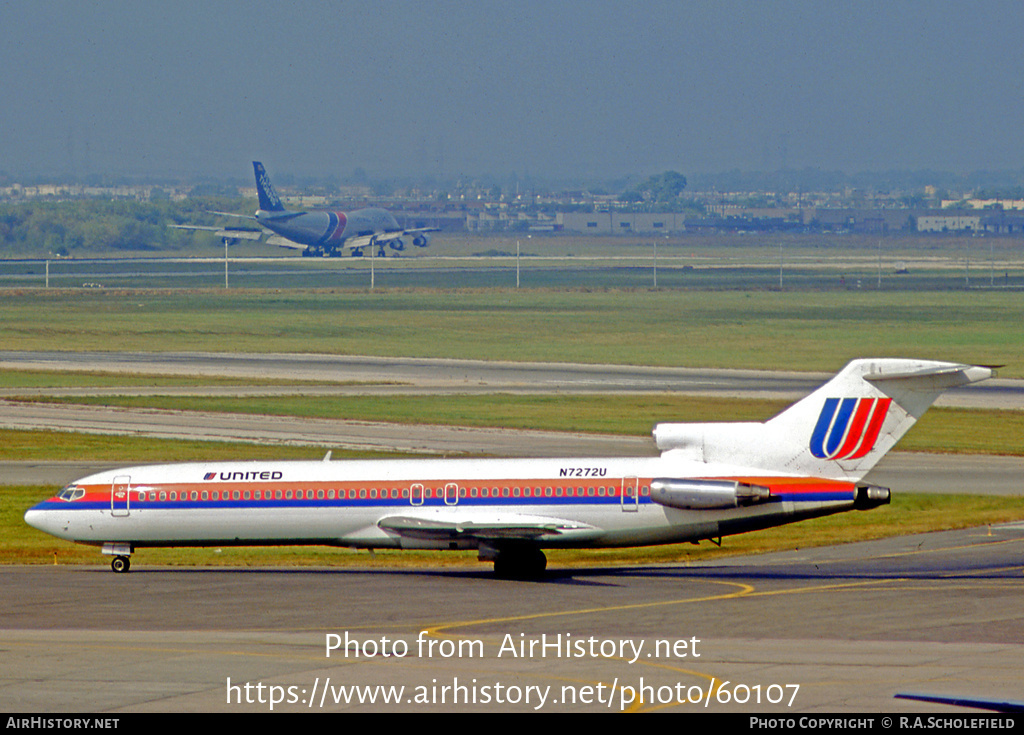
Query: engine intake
[[706, 494]]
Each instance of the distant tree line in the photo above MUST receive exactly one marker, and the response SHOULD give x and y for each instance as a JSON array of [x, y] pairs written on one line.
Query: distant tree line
[[89, 226], [660, 193]]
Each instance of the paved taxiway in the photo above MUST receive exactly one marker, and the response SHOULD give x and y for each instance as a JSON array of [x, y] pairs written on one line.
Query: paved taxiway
[[851, 625]]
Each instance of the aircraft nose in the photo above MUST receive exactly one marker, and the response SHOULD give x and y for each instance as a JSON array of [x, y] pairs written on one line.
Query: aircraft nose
[[34, 518], [43, 520]]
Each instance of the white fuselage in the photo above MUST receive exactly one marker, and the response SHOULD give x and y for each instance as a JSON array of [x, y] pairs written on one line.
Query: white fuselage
[[416, 504]]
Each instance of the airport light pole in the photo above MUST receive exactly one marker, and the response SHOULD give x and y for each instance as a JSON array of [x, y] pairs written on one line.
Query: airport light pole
[[879, 265], [780, 265], [655, 264], [517, 264], [967, 263]]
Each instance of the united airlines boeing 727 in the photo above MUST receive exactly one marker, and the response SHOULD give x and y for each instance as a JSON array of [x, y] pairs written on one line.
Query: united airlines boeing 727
[[711, 480]]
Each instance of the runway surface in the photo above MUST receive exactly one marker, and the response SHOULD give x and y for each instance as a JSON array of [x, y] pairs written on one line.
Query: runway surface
[[837, 629], [409, 375]]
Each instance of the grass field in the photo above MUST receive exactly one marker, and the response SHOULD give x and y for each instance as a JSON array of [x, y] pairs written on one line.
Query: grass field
[[973, 431], [768, 330]]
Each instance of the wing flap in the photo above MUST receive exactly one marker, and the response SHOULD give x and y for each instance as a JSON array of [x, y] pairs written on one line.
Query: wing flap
[[362, 241], [486, 527]]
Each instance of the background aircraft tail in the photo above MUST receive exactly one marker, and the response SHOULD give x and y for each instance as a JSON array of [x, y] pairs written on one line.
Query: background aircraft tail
[[269, 200], [839, 431]]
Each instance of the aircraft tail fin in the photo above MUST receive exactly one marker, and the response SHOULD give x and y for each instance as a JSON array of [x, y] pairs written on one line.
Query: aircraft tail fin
[[839, 431], [269, 200]]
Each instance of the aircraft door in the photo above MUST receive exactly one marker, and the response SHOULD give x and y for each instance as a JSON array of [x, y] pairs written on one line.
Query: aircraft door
[[416, 494], [630, 494], [451, 494], [120, 495]]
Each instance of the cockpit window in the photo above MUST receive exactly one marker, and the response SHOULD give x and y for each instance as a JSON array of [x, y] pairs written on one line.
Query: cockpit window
[[71, 493]]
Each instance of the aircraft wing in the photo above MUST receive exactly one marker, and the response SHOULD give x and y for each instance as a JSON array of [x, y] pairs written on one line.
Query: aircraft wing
[[393, 238], [231, 214], [284, 242], [993, 705], [232, 233], [495, 526], [363, 241]]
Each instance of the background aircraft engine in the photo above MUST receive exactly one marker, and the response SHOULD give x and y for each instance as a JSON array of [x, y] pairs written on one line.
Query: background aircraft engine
[[396, 244], [706, 494], [421, 241]]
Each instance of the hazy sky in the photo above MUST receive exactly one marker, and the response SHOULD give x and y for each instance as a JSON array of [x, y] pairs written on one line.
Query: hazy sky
[[582, 89]]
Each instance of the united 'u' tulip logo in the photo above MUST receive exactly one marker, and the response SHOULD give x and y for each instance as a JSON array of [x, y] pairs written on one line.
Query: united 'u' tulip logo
[[848, 427]]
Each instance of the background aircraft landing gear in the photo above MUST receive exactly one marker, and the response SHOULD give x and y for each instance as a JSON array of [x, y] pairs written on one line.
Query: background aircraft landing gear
[[520, 564], [121, 564]]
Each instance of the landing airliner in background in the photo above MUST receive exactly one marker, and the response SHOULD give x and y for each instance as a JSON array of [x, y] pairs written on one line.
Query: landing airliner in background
[[319, 232], [711, 480]]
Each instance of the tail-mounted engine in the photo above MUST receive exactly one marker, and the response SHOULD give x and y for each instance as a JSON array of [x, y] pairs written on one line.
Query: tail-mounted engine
[[706, 494]]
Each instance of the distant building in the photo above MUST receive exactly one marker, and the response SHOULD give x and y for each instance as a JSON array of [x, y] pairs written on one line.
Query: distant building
[[1017, 204], [1002, 223], [867, 221], [620, 223], [949, 223]]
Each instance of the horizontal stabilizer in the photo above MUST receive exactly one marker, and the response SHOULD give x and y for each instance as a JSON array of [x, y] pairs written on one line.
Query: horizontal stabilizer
[[940, 378]]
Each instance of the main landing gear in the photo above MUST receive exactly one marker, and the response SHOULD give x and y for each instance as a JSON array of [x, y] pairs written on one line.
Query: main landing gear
[[520, 564], [121, 564], [120, 550]]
